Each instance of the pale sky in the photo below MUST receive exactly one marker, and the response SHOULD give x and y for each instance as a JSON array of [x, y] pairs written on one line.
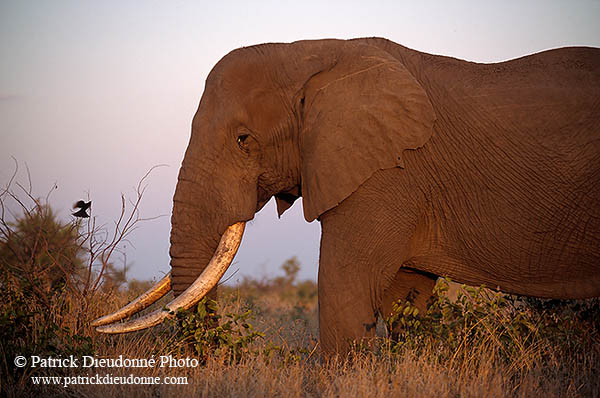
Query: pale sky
[[93, 94]]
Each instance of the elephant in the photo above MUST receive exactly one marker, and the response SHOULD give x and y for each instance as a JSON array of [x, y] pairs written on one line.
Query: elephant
[[417, 166]]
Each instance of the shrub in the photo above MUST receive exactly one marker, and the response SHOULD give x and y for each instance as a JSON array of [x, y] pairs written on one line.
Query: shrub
[[512, 328], [208, 334], [40, 266]]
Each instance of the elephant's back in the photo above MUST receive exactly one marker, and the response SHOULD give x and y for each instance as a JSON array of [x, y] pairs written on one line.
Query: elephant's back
[[553, 95]]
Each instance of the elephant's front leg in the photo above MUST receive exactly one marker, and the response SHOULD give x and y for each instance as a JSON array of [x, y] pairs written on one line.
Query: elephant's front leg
[[360, 258], [347, 310], [353, 290]]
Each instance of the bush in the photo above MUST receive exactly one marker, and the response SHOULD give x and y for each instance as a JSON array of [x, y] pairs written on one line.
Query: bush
[[228, 337], [512, 328], [40, 266]]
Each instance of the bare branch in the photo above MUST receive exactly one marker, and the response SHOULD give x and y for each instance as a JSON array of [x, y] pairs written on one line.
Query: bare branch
[[54, 188], [28, 178], [230, 276], [11, 178]]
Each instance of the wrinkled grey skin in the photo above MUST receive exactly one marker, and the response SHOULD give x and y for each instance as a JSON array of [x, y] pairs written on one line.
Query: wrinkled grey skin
[[416, 166]]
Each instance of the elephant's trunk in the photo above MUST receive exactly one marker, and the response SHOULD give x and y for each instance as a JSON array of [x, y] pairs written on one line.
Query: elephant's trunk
[[196, 225], [222, 258]]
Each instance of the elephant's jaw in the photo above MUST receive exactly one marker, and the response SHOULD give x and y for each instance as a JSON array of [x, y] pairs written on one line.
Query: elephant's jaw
[[220, 262]]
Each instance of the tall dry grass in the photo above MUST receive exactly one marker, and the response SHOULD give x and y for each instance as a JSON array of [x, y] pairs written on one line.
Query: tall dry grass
[[475, 368]]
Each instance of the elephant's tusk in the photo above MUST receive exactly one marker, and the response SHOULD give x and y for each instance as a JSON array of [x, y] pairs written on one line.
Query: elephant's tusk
[[228, 246], [152, 295]]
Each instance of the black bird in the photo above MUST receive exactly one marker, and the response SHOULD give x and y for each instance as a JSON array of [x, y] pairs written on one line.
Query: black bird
[[83, 206]]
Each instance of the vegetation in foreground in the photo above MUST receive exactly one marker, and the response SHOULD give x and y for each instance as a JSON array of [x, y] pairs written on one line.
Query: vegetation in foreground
[[261, 339]]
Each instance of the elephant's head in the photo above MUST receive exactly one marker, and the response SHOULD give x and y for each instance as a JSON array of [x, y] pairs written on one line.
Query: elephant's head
[[311, 118]]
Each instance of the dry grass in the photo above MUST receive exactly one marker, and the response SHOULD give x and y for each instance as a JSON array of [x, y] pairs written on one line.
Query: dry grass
[[475, 370], [367, 376]]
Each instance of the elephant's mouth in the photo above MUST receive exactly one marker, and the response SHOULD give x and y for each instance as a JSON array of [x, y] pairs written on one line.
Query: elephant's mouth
[[221, 260]]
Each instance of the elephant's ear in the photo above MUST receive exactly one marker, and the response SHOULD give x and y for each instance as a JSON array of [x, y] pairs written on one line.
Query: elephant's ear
[[358, 117]]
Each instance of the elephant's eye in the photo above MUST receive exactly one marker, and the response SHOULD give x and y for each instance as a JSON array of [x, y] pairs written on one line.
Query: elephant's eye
[[242, 141]]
